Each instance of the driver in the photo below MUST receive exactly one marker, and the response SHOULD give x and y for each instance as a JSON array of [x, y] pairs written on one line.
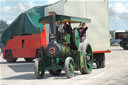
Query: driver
[[67, 28]]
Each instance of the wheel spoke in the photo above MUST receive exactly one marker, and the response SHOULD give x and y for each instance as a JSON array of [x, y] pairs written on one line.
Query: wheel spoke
[[89, 59], [89, 65], [89, 54], [71, 68]]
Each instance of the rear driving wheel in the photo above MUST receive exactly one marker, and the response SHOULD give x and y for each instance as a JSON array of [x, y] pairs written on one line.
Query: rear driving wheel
[[88, 60], [9, 57], [69, 67]]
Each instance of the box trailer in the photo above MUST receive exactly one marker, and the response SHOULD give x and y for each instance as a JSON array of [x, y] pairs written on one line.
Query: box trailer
[[22, 47], [26, 46], [22, 39], [98, 33]]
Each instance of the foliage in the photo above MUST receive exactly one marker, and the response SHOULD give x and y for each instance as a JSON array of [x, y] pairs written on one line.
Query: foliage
[[112, 33], [3, 24]]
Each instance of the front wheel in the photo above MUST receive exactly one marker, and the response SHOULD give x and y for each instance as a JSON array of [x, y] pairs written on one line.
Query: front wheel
[[69, 67], [38, 71], [39, 66]]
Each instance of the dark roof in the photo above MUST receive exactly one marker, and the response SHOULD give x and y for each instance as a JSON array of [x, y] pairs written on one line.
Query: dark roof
[[64, 18]]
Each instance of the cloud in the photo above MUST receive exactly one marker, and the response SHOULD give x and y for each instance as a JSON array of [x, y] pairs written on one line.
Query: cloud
[[118, 12], [52, 1], [124, 16], [23, 6], [11, 11], [6, 9], [111, 11], [120, 7], [2, 0]]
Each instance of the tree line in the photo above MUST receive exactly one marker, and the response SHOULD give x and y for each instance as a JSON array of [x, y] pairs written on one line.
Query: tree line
[[3, 26]]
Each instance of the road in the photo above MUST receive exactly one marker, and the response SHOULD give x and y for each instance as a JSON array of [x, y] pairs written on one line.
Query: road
[[115, 73]]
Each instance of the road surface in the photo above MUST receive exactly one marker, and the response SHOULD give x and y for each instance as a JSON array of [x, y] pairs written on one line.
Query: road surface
[[115, 73]]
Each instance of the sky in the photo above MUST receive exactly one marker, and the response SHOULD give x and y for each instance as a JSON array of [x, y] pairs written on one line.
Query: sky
[[118, 11]]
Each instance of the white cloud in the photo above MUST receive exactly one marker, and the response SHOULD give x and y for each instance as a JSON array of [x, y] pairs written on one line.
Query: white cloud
[[2, 0], [118, 12], [9, 21], [30, 4], [10, 9], [120, 7], [25, 6], [9, 13], [52, 1], [21, 6], [117, 18], [6, 9]]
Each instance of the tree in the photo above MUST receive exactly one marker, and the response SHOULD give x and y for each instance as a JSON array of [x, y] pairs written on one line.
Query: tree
[[112, 33], [3, 24]]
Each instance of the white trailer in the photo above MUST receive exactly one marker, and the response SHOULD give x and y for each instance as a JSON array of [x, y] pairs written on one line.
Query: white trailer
[[98, 33]]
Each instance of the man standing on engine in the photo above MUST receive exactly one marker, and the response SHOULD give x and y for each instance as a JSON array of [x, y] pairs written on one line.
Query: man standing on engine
[[82, 31]]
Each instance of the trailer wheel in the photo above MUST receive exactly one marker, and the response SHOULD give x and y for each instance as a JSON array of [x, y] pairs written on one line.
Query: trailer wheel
[[69, 67], [39, 68], [87, 59], [9, 57], [55, 73], [100, 60], [29, 59]]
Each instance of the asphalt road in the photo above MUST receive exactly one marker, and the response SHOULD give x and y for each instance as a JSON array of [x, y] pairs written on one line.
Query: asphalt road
[[115, 73]]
